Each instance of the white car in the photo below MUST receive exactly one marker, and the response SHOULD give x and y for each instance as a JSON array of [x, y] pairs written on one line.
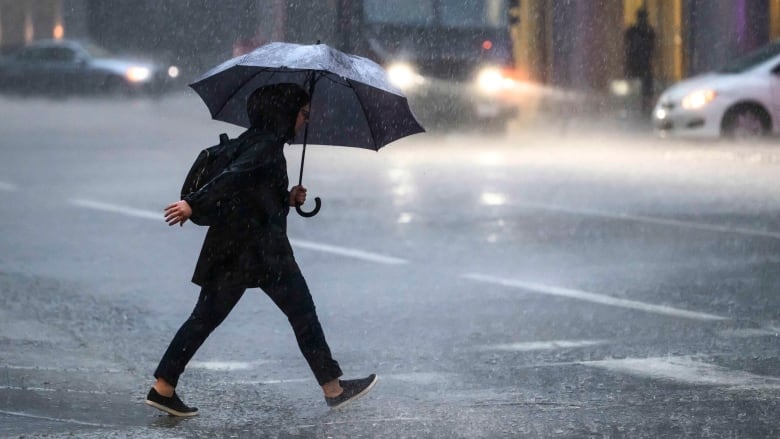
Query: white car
[[741, 100]]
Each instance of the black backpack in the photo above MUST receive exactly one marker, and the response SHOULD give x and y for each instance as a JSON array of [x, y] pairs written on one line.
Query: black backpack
[[209, 163]]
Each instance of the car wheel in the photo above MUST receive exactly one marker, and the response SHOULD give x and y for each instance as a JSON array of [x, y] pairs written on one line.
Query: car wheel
[[746, 122]]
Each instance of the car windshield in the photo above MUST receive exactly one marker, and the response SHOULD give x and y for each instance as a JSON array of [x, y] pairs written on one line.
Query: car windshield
[[752, 59], [473, 13], [446, 13], [405, 12], [95, 51]]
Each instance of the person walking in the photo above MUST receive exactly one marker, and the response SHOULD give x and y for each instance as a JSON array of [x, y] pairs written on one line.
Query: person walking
[[640, 49], [247, 247]]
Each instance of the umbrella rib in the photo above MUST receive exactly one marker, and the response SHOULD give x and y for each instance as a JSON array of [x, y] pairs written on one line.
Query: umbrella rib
[[365, 116], [329, 77]]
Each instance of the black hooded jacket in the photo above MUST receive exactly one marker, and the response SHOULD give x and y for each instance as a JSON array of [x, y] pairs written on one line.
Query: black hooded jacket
[[249, 245]]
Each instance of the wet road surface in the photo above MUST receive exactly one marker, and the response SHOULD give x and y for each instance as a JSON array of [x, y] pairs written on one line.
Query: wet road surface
[[551, 283]]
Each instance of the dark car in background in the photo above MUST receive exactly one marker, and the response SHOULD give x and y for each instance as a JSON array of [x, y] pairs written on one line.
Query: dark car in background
[[67, 67]]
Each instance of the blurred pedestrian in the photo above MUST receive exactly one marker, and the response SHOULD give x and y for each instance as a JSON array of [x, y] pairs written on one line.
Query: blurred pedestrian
[[248, 247], [640, 49]]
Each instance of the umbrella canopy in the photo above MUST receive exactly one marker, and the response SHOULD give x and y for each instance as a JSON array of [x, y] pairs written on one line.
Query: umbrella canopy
[[352, 100]]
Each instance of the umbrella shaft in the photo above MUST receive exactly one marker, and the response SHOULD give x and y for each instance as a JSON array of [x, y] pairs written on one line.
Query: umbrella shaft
[[303, 158], [312, 79]]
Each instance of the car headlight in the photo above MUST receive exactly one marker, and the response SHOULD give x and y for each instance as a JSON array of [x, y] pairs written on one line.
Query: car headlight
[[173, 72], [138, 74], [492, 79], [489, 80], [698, 99], [403, 76]]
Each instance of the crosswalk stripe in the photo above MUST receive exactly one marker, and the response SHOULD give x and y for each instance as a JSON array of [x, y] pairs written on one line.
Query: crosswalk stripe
[[122, 210], [421, 378], [48, 418], [686, 370], [592, 297], [226, 365], [542, 345], [8, 187]]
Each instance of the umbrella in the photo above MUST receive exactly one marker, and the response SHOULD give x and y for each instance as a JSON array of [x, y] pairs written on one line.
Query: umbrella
[[352, 101]]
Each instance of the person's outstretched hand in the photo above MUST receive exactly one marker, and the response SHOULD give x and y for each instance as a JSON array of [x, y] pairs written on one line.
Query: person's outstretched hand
[[178, 213], [297, 195]]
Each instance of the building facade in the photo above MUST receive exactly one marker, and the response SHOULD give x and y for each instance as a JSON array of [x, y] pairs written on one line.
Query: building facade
[[579, 43], [24, 21]]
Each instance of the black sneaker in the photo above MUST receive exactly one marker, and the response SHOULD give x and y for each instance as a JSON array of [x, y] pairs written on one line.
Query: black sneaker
[[353, 389], [171, 405]]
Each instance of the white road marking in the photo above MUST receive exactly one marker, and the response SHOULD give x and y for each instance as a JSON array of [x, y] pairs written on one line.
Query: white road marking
[[59, 369], [226, 365], [48, 389], [421, 378], [47, 418], [348, 252], [309, 245], [686, 370], [122, 210], [269, 382], [12, 367], [750, 332], [592, 297], [413, 377], [543, 345], [8, 187], [652, 220], [366, 421]]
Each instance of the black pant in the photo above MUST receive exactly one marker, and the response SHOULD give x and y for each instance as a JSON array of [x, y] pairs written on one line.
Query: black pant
[[290, 294]]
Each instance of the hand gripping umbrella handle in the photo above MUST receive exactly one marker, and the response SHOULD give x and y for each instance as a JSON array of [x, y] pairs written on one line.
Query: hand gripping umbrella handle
[[317, 205]]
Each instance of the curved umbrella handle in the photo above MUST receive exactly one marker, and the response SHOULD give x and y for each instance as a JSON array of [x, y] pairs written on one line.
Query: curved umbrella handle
[[317, 205]]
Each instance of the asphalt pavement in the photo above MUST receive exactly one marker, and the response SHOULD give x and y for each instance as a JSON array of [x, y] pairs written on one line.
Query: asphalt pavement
[[562, 280]]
